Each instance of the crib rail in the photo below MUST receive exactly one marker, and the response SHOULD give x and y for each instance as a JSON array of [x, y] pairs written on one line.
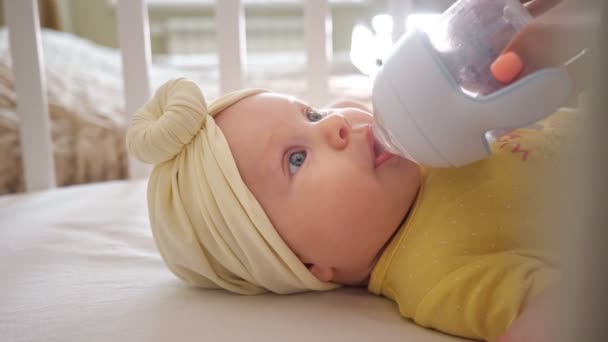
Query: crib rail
[[317, 31], [34, 128], [231, 42], [134, 42], [134, 39]]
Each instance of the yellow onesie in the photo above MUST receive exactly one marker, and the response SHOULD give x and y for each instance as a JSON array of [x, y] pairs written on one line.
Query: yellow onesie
[[471, 251]]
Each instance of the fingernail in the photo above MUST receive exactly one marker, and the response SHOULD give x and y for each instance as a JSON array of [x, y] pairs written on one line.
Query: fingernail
[[507, 67]]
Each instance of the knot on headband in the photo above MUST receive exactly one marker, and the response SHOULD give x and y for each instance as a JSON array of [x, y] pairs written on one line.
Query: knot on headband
[[168, 123]]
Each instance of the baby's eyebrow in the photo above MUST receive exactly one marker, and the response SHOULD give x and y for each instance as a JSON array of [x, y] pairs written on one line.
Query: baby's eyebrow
[[302, 107], [299, 103]]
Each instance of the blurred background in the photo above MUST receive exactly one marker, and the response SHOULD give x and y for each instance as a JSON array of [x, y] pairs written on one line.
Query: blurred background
[[184, 27], [183, 33], [84, 80]]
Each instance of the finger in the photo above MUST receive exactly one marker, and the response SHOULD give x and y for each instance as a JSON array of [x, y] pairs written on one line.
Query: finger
[[507, 67], [578, 69], [538, 7], [526, 48], [555, 37]]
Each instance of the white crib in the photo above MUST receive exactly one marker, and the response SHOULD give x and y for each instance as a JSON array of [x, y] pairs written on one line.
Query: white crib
[[22, 20]]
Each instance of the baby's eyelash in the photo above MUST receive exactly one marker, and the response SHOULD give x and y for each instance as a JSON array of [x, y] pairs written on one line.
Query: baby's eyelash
[[295, 160], [314, 115]]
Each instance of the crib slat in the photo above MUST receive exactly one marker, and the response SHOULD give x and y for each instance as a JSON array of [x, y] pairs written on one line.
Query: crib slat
[[231, 43], [399, 10], [318, 36], [134, 40], [30, 85]]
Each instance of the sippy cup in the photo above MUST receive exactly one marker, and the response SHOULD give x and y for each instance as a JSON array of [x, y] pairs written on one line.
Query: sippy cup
[[435, 99], [471, 34]]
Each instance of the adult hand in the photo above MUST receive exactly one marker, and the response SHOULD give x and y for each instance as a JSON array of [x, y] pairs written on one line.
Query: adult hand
[[560, 30]]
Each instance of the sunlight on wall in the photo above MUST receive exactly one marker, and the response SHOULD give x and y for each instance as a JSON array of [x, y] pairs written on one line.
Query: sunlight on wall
[[369, 47]]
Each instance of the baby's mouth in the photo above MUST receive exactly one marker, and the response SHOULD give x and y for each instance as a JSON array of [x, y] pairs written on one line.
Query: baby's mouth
[[380, 154]]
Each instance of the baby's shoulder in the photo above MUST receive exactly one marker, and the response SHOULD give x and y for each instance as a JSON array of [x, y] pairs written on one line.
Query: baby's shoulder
[[564, 119]]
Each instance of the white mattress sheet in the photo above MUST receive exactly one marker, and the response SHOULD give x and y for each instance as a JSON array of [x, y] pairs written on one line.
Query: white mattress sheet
[[79, 264]]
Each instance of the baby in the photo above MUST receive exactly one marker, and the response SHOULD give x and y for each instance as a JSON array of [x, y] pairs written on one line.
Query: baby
[[258, 192]]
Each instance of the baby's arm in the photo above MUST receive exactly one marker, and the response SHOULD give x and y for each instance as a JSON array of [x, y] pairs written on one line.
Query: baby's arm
[[482, 298]]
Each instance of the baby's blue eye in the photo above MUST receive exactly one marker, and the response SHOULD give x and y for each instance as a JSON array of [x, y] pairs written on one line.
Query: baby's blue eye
[[296, 159], [314, 116]]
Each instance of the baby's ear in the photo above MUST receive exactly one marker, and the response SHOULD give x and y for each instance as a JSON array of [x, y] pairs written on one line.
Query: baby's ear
[[322, 273]]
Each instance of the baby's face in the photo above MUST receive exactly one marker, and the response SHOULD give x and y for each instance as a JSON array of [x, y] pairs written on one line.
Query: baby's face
[[332, 197]]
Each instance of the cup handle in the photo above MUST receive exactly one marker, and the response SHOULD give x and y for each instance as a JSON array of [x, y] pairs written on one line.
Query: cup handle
[[526, 100]]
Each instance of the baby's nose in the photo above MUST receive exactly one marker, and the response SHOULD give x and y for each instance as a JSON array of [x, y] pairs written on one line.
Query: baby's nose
[[336, 130]]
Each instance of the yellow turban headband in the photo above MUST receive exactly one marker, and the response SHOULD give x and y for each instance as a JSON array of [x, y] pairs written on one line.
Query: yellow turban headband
[[209, 228]]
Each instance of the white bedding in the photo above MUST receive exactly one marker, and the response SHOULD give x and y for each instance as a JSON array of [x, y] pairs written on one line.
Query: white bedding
[[79, 264]]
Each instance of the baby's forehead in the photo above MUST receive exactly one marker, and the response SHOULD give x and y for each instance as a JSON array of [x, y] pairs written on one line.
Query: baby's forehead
[[259, 116], [255, 121], [268, 108], [272, 99]]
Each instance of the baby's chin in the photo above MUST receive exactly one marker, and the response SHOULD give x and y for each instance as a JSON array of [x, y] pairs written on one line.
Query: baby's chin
[[359, 278], [403, 169], [407, 161]]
